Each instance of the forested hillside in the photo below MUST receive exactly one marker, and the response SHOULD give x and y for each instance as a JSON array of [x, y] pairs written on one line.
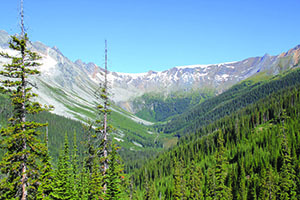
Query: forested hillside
[[57, 128], [250, 154], [237, 97], [205, 132], [59, 125], [156, 107]]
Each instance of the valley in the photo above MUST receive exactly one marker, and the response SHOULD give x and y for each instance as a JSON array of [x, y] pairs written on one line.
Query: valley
[[139, 100], [168, 123], [149, 100]]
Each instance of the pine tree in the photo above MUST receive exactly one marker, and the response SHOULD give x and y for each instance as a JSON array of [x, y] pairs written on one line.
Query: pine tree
[[268, 184], [84, 185], [287, 174], [196, 182], [74, 179], [179, 182], [102, 127], [96, 181], [92, 177], [24, 151], [222, 191], [149, 188], [210, 192], [62, 188], [47, 177], [242, 194], [115, 176]]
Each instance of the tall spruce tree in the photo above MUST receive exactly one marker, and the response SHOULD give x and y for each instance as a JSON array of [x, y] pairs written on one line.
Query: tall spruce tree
[[24, 151], [96, 181], [84, 185], [195, 182], [92, 174], [107, 152], [102, 127], [242, 193], [62, 188], [287, 187], [222, 191], [100, 138], [268, 184], [179, 192], [75, 176], [114, 175], [210, 192], [47, 176]]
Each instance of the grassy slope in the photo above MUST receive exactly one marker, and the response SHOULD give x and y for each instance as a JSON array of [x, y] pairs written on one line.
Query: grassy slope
[[135, 136]]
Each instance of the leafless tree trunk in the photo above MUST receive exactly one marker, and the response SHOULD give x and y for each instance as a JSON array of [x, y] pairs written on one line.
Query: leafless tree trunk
[[23, 116]]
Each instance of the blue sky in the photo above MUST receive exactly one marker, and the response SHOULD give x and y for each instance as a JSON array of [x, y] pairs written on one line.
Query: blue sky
[[157, 35]]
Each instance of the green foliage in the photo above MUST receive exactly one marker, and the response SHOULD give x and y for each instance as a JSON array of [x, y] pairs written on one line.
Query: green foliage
[[220, 171], [268, 184], [231, 151], [75, 178], [156, 107], [115, 176], [179, 182], [46, 179], [249, 164], [195, 182], [287, 173], [95, 180], [25, 154], [235, 98], [62, 181], [149, 193]]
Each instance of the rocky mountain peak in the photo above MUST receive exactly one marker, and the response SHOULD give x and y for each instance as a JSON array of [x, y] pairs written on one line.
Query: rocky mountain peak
[[78, 80]]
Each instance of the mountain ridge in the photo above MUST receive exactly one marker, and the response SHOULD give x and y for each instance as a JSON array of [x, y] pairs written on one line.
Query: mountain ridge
[[77, 81]]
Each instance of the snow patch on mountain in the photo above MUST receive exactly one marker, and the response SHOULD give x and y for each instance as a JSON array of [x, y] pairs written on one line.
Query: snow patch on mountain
[[48, 64], [64, 83]]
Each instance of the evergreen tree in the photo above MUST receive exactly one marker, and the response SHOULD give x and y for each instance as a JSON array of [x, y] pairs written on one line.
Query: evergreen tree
[[268, 184], [102, 127], [84, 185], [287, 174], [46, 178], [253, 187], [24, 151], [210, 192], [115, 176], [195, 183], [75, 171], [149, 193], [222, 191], [96, 181], [179, 182], [92, 178], [62, 188], [242, 194]]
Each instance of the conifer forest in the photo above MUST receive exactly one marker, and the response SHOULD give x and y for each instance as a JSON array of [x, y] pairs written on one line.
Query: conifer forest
[[242, 144]]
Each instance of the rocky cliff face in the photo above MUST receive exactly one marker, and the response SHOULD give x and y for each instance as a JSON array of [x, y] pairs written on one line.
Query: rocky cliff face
[[64, 83]]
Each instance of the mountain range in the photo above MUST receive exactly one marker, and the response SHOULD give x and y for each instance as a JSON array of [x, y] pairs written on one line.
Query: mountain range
[[70, 86]]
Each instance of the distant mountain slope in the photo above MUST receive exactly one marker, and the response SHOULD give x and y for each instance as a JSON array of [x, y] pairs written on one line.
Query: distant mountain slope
[[250, 146], [69, 89], [70, 86], [156, 107], [196, 78], [77, 81], [237, 97]]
